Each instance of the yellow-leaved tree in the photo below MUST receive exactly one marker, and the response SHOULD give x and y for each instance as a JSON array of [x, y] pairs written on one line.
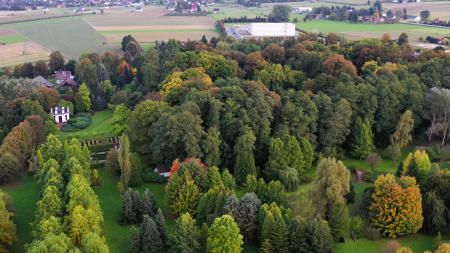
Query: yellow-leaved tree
[[397, 206], [422, 160]]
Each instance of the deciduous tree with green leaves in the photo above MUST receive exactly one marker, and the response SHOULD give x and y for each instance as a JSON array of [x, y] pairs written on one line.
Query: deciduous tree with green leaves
[[224, 236], [120, 119], [402, 135], [331, 184], [82, 99]]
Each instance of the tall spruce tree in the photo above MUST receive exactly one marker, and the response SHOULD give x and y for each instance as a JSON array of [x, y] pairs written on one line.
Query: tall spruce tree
[[186, 236], [362, 138], [267, 227], [128, 216], [149, 237], [298, 235], [339, 221], [133, 241], [413, 169], [245, 165], [320, 236], [279, 237], [137, 207], [308, 152], [148, 204], [160, 223]]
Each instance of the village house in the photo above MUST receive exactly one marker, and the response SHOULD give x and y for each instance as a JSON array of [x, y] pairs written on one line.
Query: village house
[[216, 10], [139, 9], [412, 18], [379, 19], [61, 76], [43, 81]]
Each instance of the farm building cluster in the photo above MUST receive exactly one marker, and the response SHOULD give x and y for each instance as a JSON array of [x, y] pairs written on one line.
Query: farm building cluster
[[261, 31]]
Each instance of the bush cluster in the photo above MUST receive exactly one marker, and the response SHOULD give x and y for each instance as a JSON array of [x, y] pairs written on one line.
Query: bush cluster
[[153, 177], [83, 121], [69, 128]]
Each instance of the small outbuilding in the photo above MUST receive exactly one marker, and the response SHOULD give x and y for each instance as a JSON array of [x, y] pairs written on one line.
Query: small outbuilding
[[60, 114]]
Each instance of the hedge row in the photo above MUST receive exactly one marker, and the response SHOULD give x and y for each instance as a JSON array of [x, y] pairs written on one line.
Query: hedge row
[[98, 165]]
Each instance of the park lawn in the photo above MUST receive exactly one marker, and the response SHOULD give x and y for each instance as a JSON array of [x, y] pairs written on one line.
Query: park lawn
[[417, 242], [25, 193], [12, 39], [101, 121]]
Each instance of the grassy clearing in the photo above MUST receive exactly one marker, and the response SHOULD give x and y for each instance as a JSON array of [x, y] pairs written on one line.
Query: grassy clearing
[[101, 121], [72, 37], [12, 39], [25, 193]]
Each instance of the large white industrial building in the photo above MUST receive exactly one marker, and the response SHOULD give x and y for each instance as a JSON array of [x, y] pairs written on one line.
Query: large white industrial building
[[301, 9], [263, 30]]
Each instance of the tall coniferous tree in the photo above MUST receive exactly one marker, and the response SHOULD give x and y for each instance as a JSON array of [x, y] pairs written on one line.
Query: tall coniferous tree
[[148, 204], [245, 165], [279, 238], [128, 216], [186, 237], [149, 237], [362, 138], [339, 220], [136, 206], [308, 152], [160, 223], [133, 241]]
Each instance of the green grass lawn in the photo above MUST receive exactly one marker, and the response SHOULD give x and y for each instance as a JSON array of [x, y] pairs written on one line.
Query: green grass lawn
[[25, 193], [11, 39], [101, 121]]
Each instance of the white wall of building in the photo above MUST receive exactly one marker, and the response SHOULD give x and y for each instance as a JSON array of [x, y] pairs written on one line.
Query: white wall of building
[[301, 9], [273, 29]]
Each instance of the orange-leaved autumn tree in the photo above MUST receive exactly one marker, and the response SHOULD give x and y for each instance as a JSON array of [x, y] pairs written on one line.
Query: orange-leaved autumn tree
[[337, 64], [122, 67], [397, 206]]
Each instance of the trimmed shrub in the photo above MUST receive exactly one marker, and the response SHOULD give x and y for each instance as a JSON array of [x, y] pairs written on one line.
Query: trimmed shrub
[[71, 121], [69, 128], [373, 234], [153, 177], [82, 121]]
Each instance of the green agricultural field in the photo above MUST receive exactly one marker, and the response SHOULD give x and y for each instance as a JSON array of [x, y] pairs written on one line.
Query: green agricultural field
[[101, 121], [12, 39], [72, 37]]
